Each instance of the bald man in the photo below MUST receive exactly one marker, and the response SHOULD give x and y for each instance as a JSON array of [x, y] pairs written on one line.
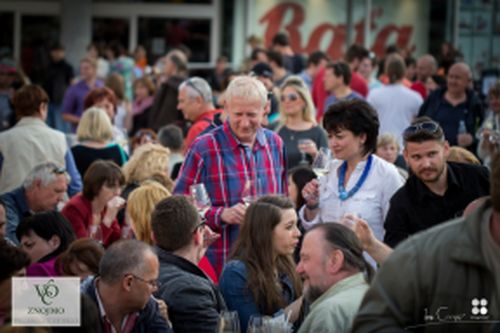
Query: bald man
[[426, 67], [456, 108]]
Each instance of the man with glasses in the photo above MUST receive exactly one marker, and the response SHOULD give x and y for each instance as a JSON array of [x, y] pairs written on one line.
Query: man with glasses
[[195, 102], [128, 274], [194, 303], [43, 189], [436, 190]]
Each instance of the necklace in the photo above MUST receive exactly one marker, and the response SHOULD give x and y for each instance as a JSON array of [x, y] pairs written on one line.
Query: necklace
[[343, 193]]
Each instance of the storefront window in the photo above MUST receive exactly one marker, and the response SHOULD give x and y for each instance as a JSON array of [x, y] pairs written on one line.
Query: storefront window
[[38, 34], [177, 2], [7, 35], [106, 30], [159, 35], [478, 30]]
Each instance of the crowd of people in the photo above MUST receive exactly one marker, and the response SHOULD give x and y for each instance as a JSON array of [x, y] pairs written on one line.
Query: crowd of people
[[308, 190]]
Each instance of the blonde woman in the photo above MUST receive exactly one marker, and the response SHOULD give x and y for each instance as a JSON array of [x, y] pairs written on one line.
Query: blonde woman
[[149, 161], [141, 203], [95, 135], [299, 131]]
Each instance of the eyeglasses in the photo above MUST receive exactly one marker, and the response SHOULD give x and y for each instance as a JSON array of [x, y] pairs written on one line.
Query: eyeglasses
[[428, 126], [155, 284], [201, 224], [289, 97], [191, 84]]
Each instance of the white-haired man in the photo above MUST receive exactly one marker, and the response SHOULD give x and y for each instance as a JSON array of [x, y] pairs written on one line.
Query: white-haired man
[[43, 188], [195, 102], [237, 159]]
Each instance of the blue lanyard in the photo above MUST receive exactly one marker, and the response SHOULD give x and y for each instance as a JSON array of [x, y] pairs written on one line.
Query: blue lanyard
[[343, 194]]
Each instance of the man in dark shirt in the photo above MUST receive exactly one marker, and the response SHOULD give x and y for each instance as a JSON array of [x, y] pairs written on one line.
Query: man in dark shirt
[[57, 80], [436, 190], [456, 108]]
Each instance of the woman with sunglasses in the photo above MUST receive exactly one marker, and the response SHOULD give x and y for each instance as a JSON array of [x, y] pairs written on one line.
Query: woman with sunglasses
[[299, 131], [261, 278], [358, 181]]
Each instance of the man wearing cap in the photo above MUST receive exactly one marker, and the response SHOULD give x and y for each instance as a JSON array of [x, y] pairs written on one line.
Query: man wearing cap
[[264, 73], [436, 190]]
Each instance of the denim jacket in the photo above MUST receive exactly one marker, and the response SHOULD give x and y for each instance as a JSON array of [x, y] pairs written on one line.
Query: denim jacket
[[233, 285]]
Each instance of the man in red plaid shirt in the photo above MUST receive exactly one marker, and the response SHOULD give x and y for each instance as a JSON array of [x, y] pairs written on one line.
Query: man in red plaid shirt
[[235, 160]]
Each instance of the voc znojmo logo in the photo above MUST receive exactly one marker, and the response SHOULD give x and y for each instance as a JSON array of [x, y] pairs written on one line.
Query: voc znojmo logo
[[40, 301], [47, 291]]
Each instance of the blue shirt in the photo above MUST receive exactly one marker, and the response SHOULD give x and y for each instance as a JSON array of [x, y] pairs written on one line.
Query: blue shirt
[[331, 99], [16, 208], [233, 286]]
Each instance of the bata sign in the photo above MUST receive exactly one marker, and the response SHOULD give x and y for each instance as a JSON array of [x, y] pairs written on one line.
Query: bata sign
[[315, 24]]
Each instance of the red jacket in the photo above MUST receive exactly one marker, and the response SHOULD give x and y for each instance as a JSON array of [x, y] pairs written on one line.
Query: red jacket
[[199, 125], [78, 211]]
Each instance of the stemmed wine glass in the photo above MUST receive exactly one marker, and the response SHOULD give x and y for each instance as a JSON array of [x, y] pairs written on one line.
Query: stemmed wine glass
[[246, 195], [301, 144], [322, 161], [229, 322], [200, 197], [95, 232], [257, 324]]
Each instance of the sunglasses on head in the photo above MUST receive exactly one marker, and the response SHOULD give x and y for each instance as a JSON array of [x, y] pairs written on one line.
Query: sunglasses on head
[[59, 170], [192, 85], [289, 97], [428, 126]]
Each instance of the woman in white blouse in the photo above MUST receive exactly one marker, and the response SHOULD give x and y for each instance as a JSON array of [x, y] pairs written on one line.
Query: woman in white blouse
[[358, 182]]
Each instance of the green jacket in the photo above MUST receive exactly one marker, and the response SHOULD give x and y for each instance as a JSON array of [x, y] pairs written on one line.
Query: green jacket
[[334, 311], [430, 282]]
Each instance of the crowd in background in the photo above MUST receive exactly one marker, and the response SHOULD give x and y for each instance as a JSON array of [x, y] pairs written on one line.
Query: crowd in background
[[217, 193]]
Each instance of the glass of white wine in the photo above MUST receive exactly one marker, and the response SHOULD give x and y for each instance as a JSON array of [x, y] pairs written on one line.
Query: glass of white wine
[[321, 163], [200, 197]]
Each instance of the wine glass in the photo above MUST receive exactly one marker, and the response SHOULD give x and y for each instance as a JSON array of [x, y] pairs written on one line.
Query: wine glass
[[200, 197], [257, 324], [301, 145], [95, 232], [246, 195], [322, 161], [229, 322]]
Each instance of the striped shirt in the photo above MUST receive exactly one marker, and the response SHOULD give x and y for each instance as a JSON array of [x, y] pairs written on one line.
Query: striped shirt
[[221, 162]]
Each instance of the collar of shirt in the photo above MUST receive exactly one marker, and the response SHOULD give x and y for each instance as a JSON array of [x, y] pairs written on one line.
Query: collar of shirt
[[234, 142], [22, 203], [343, 285], [207, 115], [128, 321], [423, 191]]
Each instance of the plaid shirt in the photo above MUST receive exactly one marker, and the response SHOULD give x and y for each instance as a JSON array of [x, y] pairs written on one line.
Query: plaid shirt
[[221, 162]]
